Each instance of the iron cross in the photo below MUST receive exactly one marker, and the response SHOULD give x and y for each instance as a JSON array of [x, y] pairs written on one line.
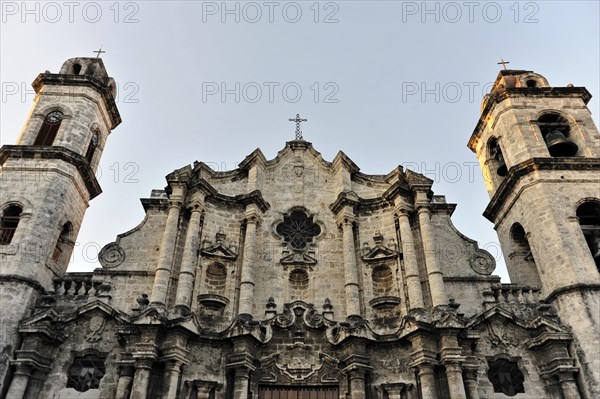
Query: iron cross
[[298, 120], [98, 52], [504, 63]]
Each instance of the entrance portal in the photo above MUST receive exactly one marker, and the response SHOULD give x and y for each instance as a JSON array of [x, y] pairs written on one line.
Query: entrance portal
[[267, 392]]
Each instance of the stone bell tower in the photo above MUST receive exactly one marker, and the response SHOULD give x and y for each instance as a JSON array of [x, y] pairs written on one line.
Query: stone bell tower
[[539, 151], [46, 182]]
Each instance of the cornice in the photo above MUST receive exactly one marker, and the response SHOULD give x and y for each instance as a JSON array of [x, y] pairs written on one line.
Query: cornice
[[55, 152], [517, 172], [81, 80]]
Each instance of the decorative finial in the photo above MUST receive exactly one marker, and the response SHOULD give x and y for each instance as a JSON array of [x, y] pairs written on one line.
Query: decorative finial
[[298, 120], [98, 52], [503, 63]]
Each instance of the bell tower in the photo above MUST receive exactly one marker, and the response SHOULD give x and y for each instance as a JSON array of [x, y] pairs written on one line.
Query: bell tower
[[539, 151], [46, 182]]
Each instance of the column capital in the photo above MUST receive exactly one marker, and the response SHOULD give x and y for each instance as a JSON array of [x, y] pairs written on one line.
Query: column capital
[[196, 206], [175, 203], [568, 375], [252, 216], [23, 367], [144, 363], [423, 207], [345, 218], [240, 362], [126, 369], [425, 368], [402, 211], [175, 355], [469, 372]]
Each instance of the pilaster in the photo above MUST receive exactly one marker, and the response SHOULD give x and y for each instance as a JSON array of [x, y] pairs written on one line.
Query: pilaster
[[246, 299], [413, 279], [434, 274], [346, 220], [167, 248], [189, 262]]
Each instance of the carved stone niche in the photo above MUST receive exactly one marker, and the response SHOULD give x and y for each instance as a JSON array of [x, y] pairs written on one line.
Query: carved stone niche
[[381, 259], [212, 305], [384, 302]]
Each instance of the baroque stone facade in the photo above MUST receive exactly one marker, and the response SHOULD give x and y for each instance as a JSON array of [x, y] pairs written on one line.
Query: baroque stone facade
[[297, 277]]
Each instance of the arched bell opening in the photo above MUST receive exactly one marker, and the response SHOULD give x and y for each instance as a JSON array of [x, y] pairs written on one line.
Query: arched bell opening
[[556, 131], [588, 214], [523, 268]]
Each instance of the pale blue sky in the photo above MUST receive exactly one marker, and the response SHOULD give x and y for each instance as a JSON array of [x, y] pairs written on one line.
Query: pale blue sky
[[165, 57]]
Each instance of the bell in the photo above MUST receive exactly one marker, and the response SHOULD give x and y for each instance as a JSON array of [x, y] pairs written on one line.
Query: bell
[[502, 169], [559, 145]]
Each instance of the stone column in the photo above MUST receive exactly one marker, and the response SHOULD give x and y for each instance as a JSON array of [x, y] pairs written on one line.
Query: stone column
[[141, 378], [350, 269], [568, 384], [19, 382], [357, 384], [434, 274], [452, 359], [185, 286], [427, 381], [455, 381], [165, 257], [246, 301], [124, 382], [240, 383], [413, 281], [172, 372], [470, 380]]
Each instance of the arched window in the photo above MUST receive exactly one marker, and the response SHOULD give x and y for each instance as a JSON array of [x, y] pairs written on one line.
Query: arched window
[[85, 373], [298, 279], [8, 223], [383, 280], [523, 269], [49, 128], [216, 278], [76, 69], [520, 244], [506, 377], [589, 220], [555, 130], [62, 242], [89, 154]]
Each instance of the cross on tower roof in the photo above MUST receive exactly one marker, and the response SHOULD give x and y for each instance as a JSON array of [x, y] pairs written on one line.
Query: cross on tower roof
[[504, 63], [98, 52], [298, 120]]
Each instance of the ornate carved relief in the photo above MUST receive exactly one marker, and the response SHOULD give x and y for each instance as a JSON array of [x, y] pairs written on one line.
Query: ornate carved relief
[[95, 327], [482, 262], [112, 255], [299, 363], [219, 249]]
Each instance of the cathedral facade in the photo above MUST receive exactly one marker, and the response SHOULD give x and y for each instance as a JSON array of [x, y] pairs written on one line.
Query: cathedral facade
[[299, 277]]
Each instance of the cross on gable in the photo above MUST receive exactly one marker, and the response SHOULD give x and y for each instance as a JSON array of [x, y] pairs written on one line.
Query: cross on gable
[[503, 63], [298, 120], [98, 52]]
